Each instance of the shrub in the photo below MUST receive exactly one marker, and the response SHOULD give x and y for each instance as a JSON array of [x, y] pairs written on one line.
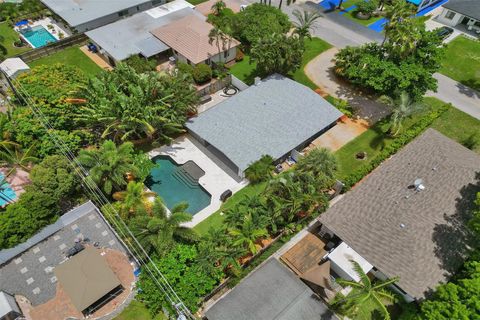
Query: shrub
[[341, 105], [367, 6], [183, 272], [399, 141], [141, 65], [202, 73], [184, 68], [260, 170], [240, 55]]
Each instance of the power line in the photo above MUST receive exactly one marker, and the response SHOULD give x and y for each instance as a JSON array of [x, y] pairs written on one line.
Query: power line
[[135, 248]]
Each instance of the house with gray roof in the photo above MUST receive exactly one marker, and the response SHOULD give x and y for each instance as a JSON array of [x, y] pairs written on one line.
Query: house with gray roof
[[270, 292], [131, 36], [84, 15], [461, 12], [407, 219], [273, 117]]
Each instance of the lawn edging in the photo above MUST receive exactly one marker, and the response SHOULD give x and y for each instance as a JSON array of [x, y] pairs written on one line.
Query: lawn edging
[[400, 141]]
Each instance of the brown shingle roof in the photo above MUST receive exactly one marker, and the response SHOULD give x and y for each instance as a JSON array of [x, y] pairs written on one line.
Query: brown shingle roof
[[86, 277], [189, 36], [433, 240]]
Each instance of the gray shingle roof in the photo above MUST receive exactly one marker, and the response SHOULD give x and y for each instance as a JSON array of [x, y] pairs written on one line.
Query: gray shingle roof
[[131, 35], [469, 8], [77, 12], [433, 241], [272, 118], [270, 292]]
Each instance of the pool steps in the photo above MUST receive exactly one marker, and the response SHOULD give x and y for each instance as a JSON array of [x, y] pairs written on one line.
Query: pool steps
[[183, 176]]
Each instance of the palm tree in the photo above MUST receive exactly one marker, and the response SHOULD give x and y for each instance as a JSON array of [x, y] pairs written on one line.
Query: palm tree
[[220, 38], [396, 14], [366, 297], [159, 232], [403, 107], [133, 199], [247, 234], [11, 154], [218, 7], [260, 170], [318, 161], [109, 165], [305, 22]]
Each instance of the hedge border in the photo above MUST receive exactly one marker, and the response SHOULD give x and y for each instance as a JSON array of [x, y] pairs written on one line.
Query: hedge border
[[406, 137]]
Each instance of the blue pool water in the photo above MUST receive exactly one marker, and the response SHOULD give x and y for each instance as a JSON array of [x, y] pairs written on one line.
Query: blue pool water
[[38, 36], [171, 182], [7, 195]]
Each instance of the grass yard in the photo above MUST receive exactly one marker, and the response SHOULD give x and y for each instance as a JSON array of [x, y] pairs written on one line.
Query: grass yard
[[351, 13], [137, 311], [216, 220], [70, 56], [312, 49], [10, 36], [195, 2], [462, 61], [460, 127], [454, 123], [245, 71]]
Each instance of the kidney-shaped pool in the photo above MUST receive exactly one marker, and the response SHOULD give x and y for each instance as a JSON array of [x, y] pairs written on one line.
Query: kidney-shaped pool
[[176, 183]]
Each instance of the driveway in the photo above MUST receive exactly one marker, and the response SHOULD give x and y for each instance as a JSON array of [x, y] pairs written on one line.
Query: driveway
[[320, 71]]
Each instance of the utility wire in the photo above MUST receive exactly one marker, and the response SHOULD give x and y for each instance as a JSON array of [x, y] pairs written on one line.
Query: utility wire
[[135, 248]]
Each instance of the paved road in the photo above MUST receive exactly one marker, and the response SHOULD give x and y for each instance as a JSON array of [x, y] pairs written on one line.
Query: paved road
[[342, 32]]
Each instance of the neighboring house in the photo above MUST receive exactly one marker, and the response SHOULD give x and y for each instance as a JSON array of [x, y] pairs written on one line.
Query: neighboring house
[[189, 39], [84, 15], [464, 12], [422, 4], [407, 219], [13, 67], [9, 309], [58, 285], [276, 117], [131, 36], [272, 292]]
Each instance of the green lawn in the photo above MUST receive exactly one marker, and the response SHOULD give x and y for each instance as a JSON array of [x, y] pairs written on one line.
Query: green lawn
[[245, 71], [460, 127], [454, 123], [351, 14], [462, 61], [312, 49], [70, 56], [195, 2], [10, 36], [137, 311], [216, 220]]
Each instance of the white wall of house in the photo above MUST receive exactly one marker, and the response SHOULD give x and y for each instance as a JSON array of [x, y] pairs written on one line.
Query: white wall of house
[[229, 56], [450, 18], [118, 15]]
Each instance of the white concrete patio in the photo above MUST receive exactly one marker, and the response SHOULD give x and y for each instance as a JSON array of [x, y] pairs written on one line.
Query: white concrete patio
[[215, 181]]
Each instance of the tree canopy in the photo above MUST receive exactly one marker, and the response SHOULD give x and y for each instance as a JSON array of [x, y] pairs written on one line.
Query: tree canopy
[[258, 21], [124, 105]]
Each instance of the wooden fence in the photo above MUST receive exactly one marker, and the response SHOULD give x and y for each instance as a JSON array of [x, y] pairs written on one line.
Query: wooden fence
[[214, 86], [52, 48]]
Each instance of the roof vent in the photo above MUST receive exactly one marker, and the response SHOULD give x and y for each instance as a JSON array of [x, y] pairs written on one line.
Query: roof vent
[[402, 225], [418, 184]]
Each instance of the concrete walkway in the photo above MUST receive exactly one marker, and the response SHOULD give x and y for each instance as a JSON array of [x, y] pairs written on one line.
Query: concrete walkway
[[320, 71], [95, 57], [341, 134]]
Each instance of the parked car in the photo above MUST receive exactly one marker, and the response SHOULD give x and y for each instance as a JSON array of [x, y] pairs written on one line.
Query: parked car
[[444, 32]]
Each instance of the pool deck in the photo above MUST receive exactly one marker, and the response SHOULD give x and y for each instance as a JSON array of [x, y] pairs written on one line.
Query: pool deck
[[57, 29], [215, 181]]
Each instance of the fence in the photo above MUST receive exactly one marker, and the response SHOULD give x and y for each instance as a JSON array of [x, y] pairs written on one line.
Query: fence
[[214, 86], [239, 83], [52, 48]]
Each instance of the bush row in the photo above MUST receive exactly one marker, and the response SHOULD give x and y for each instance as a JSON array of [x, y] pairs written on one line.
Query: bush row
[[401, 140]]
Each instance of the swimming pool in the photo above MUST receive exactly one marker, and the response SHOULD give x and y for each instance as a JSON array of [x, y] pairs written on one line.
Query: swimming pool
[[7, 195], [176, 183], [38, 36]]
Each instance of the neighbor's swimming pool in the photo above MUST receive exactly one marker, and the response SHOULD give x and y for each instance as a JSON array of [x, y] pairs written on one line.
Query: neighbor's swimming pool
[[7, 195], [38, 36], [176, 183]]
